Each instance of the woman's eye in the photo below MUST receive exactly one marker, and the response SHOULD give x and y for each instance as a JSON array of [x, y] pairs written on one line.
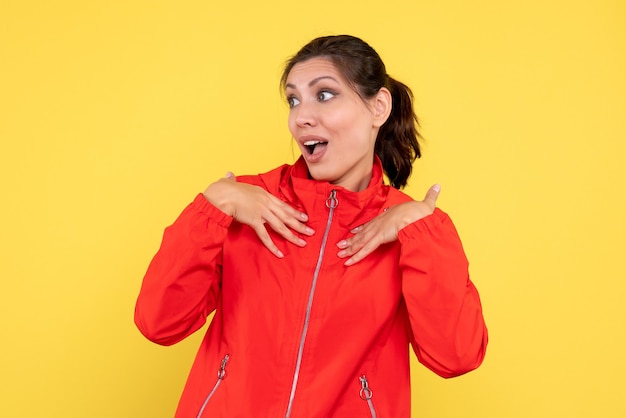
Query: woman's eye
[[325, 95], [292, 101]]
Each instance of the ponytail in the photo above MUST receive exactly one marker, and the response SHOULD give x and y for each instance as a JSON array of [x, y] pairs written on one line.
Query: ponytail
[[397, 142]]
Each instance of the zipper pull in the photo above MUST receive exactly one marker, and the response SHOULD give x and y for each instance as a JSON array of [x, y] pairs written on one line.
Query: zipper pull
[[332, 202], [221, 373], [365, 393]]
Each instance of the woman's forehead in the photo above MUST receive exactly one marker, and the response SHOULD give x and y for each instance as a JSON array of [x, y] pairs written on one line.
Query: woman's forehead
[[307, 71]]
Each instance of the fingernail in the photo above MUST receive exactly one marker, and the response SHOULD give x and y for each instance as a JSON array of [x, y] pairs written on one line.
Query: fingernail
[[342, 244], [279, 254], [342, 253], [437, 188], [348, 263], [301, 242], [304, 217], [309, 231]]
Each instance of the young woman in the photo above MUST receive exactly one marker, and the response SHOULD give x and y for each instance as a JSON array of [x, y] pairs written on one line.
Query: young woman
[[320, 275]]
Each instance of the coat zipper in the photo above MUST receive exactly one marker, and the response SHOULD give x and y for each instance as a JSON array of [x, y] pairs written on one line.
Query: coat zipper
[[366, 394], [221, 374], [331, 203]]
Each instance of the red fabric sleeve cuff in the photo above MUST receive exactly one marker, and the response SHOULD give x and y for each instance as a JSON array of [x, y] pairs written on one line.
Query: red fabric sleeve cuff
[[203, 206]]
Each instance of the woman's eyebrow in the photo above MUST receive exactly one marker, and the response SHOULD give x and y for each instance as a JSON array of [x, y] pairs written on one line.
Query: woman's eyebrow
[[312, 82], [316, 80]]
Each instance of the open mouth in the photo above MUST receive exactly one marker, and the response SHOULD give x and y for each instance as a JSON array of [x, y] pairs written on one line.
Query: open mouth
[[313, 146]]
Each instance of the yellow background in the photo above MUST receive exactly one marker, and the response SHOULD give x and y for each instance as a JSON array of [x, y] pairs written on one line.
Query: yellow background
[[113, 115]]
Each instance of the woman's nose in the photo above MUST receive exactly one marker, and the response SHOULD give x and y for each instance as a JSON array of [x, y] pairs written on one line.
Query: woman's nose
[[306, 115]]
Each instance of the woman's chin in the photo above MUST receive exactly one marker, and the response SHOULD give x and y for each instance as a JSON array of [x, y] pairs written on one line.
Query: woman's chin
[[320, 175]]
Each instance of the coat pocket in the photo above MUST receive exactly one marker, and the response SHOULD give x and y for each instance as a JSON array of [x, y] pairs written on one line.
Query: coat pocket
[[366, 394], [221, 375]]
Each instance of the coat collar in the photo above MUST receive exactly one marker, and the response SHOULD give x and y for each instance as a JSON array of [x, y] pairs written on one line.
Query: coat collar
[[353, 209]]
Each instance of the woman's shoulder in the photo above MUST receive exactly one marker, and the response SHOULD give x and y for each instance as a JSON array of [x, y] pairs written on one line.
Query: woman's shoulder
[[395, 196], [268, 180]]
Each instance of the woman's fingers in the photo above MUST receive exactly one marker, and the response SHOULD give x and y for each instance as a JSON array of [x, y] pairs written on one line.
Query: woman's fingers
[[265, 238], [385, 227], [431, 196], [290, 217], [277, 215], [255, 207], [367, 238], [279, 226], [360, 249]]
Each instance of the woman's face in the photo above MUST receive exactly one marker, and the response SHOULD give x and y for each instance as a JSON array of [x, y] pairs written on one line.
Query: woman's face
[[333, 126]]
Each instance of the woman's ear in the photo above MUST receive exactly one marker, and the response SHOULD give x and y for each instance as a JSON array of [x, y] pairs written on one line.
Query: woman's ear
[[382, 107]]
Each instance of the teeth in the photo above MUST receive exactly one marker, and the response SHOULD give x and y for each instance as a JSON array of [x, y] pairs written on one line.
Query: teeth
[[312, 144]]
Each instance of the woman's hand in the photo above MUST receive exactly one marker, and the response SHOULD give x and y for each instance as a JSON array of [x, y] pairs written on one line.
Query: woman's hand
[[385, 227], [253, 206]]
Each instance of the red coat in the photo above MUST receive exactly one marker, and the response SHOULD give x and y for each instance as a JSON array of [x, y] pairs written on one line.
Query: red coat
[[305, 336]]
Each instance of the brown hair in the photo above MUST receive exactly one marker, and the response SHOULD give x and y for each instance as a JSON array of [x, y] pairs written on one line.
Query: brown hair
[[397, 141]]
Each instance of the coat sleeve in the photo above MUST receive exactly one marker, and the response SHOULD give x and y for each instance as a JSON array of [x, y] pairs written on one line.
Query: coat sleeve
[[182, 284], [448, 332]]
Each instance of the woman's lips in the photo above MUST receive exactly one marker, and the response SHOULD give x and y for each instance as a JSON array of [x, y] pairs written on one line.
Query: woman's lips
[[314, 150]]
